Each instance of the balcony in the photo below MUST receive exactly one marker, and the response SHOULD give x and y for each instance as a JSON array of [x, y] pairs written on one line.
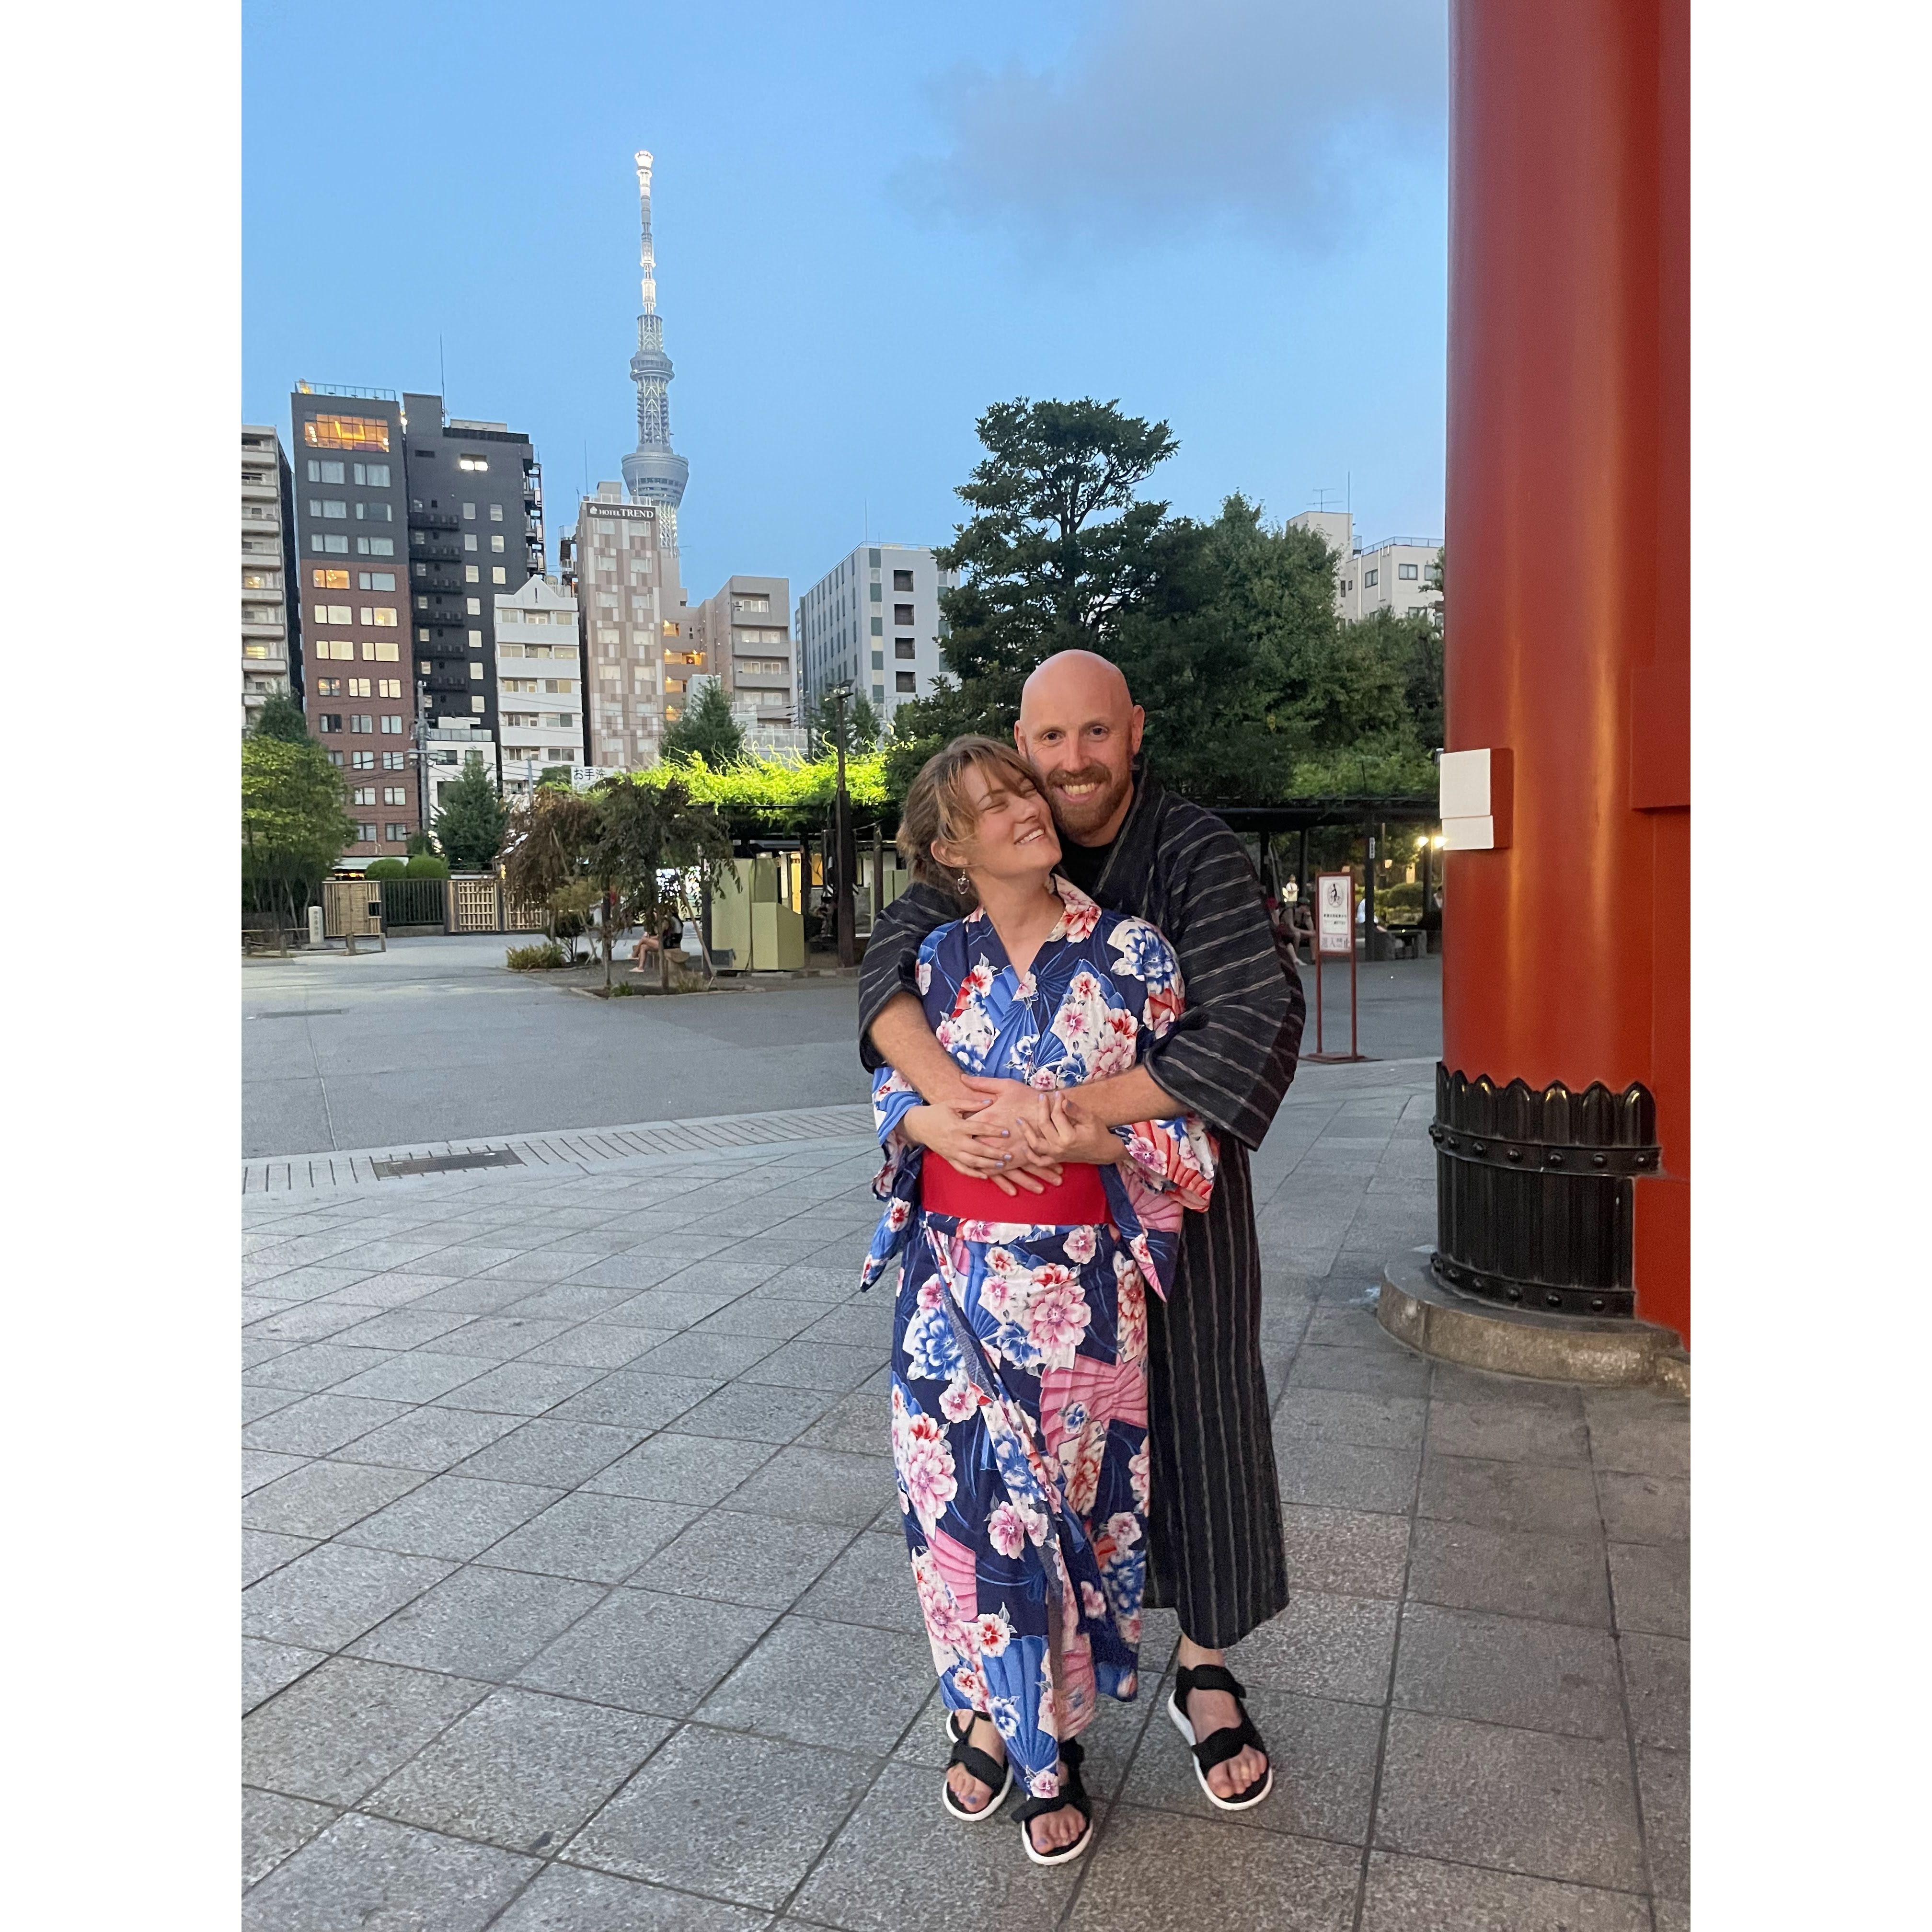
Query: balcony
[[433, 520], [436, 553], [436, 583]]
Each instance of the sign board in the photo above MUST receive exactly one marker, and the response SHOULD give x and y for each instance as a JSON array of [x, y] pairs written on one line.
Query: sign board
[[1335, 914]]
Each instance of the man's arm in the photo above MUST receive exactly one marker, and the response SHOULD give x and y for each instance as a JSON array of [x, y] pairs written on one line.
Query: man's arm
[[901, 1038]]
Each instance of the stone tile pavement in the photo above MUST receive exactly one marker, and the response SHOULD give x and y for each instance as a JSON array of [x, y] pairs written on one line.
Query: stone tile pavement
[[575, 1599]]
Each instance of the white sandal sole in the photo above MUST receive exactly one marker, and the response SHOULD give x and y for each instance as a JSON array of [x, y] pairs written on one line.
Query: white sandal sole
[[1065, 1855], [992, 1805], [1213, 1797]]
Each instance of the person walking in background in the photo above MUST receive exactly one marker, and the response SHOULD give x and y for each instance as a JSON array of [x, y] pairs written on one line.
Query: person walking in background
[[1019, 1392], [1215, 1547]]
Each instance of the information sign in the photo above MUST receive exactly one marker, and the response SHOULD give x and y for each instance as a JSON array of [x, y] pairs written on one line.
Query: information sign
[[1335, 914]]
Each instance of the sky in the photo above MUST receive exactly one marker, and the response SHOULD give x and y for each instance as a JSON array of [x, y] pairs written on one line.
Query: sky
[[872, 221]]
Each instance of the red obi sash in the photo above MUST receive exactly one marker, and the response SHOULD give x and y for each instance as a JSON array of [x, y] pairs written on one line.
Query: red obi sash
[[1078, 1201]]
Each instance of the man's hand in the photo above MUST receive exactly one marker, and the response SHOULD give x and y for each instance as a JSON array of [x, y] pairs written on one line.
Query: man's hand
[[1068, 1133], [952, 1136]]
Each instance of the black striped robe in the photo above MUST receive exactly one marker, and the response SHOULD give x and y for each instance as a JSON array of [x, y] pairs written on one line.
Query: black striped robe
[[1214, 1521]]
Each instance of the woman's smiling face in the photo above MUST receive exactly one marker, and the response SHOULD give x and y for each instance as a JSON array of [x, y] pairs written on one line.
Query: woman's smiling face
[[1012, 835]]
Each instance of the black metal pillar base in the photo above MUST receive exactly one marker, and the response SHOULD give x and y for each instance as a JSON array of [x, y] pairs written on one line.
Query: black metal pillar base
[[1534, 1191]]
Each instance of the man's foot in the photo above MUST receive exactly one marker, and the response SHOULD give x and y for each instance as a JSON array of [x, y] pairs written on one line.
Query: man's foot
[[969, 1794], [1208, 1711]]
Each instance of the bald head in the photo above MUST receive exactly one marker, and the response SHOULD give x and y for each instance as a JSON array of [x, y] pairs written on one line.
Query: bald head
[[1079, 728]]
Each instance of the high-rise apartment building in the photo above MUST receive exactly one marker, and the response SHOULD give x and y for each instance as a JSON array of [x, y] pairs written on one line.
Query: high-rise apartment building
[[638, 652], [270, 622], [744, 631], [872, 622], [539, 683], [351, 526], [1401, 574]]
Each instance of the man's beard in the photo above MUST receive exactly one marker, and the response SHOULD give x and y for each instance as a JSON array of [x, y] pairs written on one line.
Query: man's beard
[[1080, 817]]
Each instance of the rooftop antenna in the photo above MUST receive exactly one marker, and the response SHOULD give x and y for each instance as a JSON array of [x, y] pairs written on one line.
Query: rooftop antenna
[[441, 380]]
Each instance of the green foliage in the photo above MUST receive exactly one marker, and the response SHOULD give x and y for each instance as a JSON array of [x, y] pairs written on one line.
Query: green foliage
[[862, 728], [472, 820], [427, 865], [707, 730], [780, 794], [293, 824], [539, 958], [386, 868], [280, 718]]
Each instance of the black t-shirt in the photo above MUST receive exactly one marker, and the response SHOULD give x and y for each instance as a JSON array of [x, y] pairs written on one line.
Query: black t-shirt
[[1082, 865]]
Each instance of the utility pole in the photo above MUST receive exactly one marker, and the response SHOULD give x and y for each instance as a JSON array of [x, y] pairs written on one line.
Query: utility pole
[[421, 738], [847, 854]]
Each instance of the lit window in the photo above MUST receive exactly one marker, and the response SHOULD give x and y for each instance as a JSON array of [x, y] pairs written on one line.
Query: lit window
[[331, 613], [472, 573], [254, 650], [334, 432], [382, 616], [473, 607], [388, 687], [329, 687], [475, 669], [476, 704], [497, 514], [329, 580], [380, 653], [358, 687], [496, 575], [497, 543], [472, 462], [334, 647]]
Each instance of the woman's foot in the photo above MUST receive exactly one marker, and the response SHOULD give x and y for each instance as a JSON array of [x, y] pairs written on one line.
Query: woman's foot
[[971, 1793], [1054, 1830], [1057, 1830], [1211, 1711]]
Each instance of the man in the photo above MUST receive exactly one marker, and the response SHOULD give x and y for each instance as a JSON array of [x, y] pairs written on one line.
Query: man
[[1215, 1551]]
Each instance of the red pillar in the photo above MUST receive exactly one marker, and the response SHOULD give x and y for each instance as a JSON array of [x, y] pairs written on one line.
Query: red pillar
[[1566, 953]]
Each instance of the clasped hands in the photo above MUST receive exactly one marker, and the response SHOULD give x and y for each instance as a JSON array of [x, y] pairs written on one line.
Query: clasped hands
[[1015, 1135]]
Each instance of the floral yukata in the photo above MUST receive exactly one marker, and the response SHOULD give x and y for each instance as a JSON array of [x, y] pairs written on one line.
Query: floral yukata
[[1019, 1389]]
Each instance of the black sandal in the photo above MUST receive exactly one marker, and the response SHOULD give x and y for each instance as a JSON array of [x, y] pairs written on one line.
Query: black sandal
[[1219, 1746], [998, 1777], [1071, 1792]]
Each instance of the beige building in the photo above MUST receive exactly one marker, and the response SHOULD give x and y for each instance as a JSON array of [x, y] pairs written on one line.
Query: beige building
[[539, 684], [269, 651], [1400, 575], [639, 651], [745, 632]]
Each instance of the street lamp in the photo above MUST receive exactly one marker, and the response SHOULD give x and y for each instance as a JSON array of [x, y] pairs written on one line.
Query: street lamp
[[846, 862]]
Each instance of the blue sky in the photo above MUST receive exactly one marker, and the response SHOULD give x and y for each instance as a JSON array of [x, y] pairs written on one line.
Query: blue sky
[[871, 220]]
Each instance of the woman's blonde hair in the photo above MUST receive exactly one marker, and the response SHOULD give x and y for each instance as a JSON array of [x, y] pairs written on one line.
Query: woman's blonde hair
[[937, 807]]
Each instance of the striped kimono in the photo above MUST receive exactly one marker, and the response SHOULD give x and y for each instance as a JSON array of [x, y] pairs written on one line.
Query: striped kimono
[[1215, 1552]]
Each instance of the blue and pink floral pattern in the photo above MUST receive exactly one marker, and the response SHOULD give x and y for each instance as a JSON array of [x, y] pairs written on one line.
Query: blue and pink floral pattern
[[1019, 1381]]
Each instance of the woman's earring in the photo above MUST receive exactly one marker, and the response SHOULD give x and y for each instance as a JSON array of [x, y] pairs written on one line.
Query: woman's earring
[[965, 881]]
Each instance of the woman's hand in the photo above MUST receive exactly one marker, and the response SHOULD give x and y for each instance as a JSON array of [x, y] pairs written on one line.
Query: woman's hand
[[1069, 1133], [952, 1137]]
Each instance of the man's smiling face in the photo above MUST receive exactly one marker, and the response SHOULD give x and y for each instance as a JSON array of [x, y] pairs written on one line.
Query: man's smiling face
[[1079, 729]]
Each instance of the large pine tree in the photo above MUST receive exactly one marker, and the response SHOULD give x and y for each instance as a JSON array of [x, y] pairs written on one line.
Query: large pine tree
[[707, 730], [470, 826]]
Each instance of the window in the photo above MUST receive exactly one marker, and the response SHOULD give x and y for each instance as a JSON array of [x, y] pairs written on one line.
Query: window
[[875, 593], [375, 546], [878, 694], [379, 653], [497, 543], [393, 795], [470, 516], [397, 834], [1348, 586], [329, 687], [335, 758], [331, 613], [878, 627], [392, 726], [878, 660], [902, 613], [372, 475], [393, 761], [475, 640], [902, 579], [333, 647], [469, 541], [388, 687], [476, 668], [363, 795], [328, 721], [374, 513], [329, 546], [329, 580], [1405, 573], [361, 721], [496, 515], [905, 647], [472, 462], [345, 432], [472, 573], [872, 558], [366, 833], [358, 687], [476, 704], [374, 580], [1369, 579], [908, 682], [496, 575], [382, 616]]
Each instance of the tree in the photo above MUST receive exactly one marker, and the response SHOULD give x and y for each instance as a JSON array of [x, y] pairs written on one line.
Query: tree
[[293, 824], [659, 852], [280, 718], [471, 822], [707, 730], [862, 727], [552, 833]]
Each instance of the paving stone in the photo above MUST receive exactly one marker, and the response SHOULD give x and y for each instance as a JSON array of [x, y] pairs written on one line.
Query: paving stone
[[1670, 1915], [1350, 1552], [594, 1344], [558, 1454], [258, 1401], [302, 1322], [853, 1688], [1550, 1501], [635, 1398], [667, 1311], [1638, 1431], [480, 1623], [860, 1425], [338, 1731], [397, 1327], [264, 1466], [453, 1517], [812, 1282], [756, 1412], [262, 1551], [1651, 1583], [431, 1439], [1559, 1579], [521, 1770], [422, 1374], [600, 1539], [716, 1357], [1453, 1382], [779, 1321], [538, 1264], [1529, 1801], [393, 1289], [367, 1875], [1421, 1895], [319, 1426], [1664, 1779], [1345, 1415], [1657, 1675], [273, 1826], [1324, 1755], [633, 1268], [568, 1301], [1509, 1670], [676, 1469], [836, 1366], [644, 1652], [522, 1388], [565, 1899], [1637, 1509], [804, 1485], [267, 1668], [1386, 1369], [479, 1299], [742, 1559], [328, 1598], [1506, 1431], [871, 1583], [313, 1366], [1322, 1646], [321, 1498], [1316, 1470], [743, 1817], [1234, 1878]]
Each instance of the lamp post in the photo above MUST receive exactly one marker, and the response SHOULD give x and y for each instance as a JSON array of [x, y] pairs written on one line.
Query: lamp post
[[845, 862]]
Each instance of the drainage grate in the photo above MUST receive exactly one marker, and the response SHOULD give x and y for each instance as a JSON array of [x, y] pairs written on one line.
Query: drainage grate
[[299, 1013], [446, 1163]]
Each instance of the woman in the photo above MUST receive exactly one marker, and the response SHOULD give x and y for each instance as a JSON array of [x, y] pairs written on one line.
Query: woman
[[1019, 1392]]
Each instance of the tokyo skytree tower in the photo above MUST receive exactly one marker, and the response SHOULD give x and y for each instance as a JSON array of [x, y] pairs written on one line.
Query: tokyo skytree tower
[[653, 473]]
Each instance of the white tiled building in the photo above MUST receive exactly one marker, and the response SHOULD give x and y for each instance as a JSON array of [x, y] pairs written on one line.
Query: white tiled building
[[639, 655], [1399, 574], [450, 745], [539, 684], [265, 655], [873, 621]]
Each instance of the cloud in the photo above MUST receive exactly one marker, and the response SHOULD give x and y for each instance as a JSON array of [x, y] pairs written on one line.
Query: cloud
[[1286, 119]]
